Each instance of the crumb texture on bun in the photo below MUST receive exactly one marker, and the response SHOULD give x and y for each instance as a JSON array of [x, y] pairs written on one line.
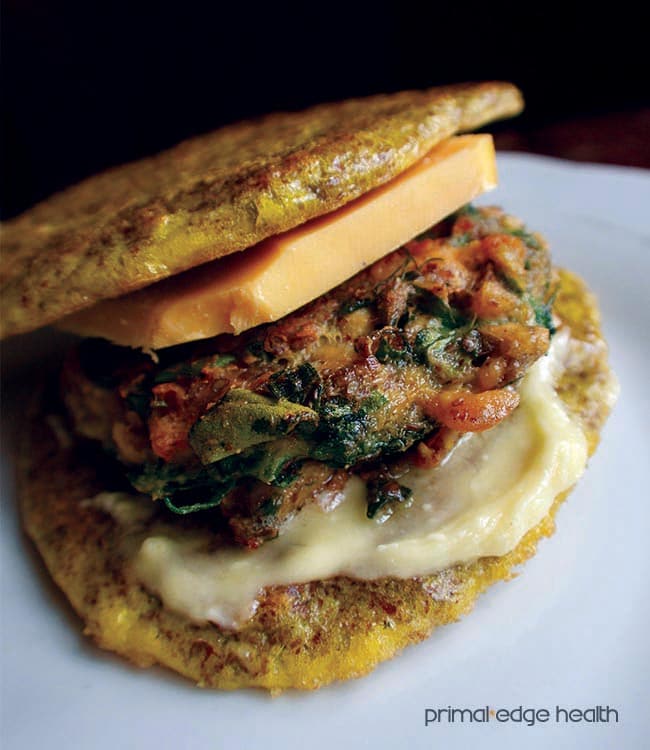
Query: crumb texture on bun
[[221, 193], [301, 636]]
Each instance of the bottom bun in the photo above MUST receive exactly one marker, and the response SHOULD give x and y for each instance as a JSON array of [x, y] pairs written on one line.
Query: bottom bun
[[301, 636]]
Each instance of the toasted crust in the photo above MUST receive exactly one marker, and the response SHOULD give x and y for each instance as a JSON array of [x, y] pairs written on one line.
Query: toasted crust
[[220, 193], [303, 636]]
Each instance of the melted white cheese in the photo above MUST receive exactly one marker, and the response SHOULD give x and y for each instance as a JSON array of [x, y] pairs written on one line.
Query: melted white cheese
[[490, 491]]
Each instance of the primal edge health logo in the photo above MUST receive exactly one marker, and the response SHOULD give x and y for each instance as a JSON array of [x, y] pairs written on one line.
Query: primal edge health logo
[[521, 715]]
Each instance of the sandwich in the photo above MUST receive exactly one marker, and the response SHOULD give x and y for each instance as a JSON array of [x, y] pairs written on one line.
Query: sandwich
[[320, 401]]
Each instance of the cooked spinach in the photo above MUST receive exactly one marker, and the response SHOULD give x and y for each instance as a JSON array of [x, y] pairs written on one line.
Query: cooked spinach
[[301, 385], [393, 347], [383, 497], [243, 419], [189, 490], [349, 433], [191, 369], [441, 311]]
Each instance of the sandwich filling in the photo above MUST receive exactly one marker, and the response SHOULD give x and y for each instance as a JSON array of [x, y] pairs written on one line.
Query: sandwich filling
[[480, 501], [402, 423], [384, 373]]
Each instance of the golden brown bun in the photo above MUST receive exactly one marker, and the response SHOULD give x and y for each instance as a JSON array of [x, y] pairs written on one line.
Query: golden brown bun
[[302, 636], [220, 193]]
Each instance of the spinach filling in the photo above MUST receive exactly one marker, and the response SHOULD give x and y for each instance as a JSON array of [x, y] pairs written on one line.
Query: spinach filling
[[191, 489], [267, 436]]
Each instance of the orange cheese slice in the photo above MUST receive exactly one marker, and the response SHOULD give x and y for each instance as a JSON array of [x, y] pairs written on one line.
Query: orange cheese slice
[[279, 275]]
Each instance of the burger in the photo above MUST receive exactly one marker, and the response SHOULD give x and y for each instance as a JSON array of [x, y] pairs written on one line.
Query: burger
[[322, 400]]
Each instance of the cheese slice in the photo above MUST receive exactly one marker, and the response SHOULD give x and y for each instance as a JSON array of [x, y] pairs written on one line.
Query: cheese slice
[[279, 275]]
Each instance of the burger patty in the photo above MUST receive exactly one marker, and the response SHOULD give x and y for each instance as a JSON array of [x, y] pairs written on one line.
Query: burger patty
[[384, 371]]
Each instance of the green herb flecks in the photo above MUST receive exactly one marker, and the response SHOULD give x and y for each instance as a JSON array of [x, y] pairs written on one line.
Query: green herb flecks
[[526, 237], [510, 283], [139, 399], [301, 385], [393, 347], [215, 495], [437, 308], [543, 313], [353, 305], [192, 369], [384, 497], [460, 240], [469, 209], [376, 400]]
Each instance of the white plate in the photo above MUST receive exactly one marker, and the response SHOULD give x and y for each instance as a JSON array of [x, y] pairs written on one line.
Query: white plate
[[571, 631]]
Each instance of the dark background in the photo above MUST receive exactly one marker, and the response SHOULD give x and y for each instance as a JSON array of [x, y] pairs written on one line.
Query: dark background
[[89, 85]]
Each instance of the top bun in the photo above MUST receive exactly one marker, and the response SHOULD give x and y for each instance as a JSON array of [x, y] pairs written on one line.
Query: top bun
[[220, 193]]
